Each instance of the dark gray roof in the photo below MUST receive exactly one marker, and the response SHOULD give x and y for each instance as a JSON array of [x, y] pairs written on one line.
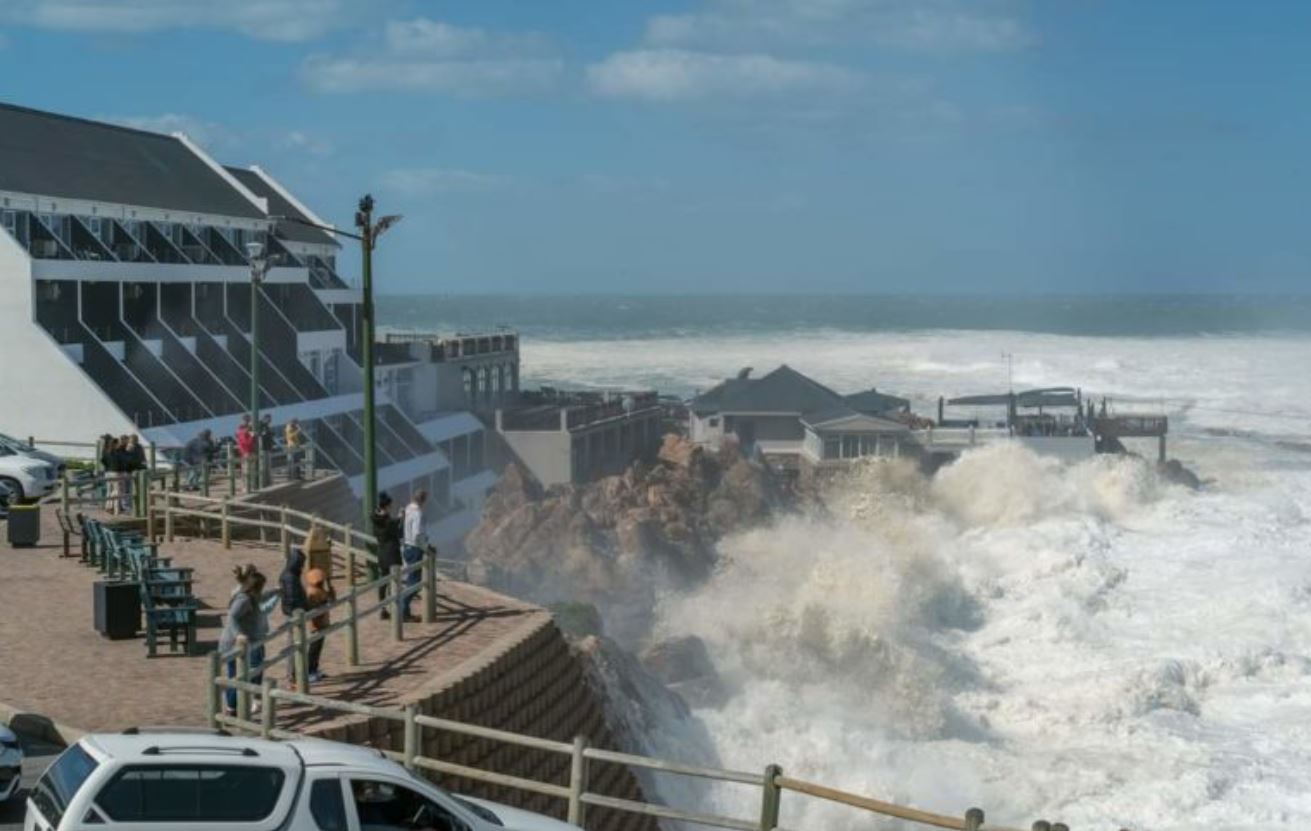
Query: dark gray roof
[[782, 391], [1048, 397], [874, 402], [60, 156], [847, 420], [279, 206]]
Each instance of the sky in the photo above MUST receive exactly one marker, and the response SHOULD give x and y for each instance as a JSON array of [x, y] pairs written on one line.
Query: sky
[[735, 146]]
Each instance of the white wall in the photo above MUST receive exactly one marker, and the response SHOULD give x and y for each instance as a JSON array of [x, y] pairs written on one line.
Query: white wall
[[43, 392], [700, 431]]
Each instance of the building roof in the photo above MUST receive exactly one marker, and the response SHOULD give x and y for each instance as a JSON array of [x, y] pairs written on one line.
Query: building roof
[[873, 402], [1047, 397], [280, 206], [59, 156], [847, 420], [782, 391]]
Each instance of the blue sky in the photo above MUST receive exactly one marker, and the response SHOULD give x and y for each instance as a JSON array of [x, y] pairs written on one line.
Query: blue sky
[[736, 145]]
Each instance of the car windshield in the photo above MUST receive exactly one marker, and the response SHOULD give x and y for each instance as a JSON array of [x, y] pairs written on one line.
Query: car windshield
[[60, 783]]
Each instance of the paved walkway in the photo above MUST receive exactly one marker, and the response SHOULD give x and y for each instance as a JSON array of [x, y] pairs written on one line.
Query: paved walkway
[[56, 664]]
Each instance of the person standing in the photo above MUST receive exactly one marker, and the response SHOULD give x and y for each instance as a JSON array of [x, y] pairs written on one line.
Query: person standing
[[317, 594], [122, 465], [387, 531], [295, 441], [413, 544], [246, 446], [245, 628], [197, 453], [267, 444], [291, 590], [109, 459]]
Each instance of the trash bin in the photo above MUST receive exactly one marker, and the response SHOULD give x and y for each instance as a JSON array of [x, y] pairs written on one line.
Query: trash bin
[[117, 609], [24, 524]]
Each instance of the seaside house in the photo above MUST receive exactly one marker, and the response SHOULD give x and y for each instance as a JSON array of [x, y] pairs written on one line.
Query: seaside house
[[791, 418]]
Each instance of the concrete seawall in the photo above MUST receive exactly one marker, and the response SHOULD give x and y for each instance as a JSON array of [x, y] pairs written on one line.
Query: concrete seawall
[[528, 682]]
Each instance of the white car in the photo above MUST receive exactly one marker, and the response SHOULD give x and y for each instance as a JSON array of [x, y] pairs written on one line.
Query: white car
[[11, 763], [211, 781], [27, 477]]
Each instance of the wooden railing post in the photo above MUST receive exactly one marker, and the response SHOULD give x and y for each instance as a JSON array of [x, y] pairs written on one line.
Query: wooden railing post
[[770, 797], [284, 532], [170, 502], [301, 656], [63, 507], [398, 614], [225, 530], [204, 476], [268, 706], [578, 782], [243, 675], [152, 532], [411, 735], [232, 471], [152, 456], [348, 543], [429, 574], [353, 628], [213, 694]]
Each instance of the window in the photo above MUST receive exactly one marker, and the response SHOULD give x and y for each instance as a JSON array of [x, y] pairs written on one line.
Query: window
[[850, 447], [386, 806], [327, 806], [832, 448], [57, 787], [180, 793], [714, 421]]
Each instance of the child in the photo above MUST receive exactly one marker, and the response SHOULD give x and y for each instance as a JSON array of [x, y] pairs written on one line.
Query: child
[[318, 594]]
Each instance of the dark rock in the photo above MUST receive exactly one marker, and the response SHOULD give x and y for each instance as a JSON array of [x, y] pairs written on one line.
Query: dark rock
[[1175, 472]]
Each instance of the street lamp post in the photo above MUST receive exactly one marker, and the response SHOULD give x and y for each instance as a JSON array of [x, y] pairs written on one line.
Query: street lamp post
[[369, 233], [259, 266]]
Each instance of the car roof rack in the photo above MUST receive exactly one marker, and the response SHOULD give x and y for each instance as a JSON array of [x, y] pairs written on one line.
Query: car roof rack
[[190, 731], [156, 750]]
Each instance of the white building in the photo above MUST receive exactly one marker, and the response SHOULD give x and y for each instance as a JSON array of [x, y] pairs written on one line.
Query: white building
[[125, 299]]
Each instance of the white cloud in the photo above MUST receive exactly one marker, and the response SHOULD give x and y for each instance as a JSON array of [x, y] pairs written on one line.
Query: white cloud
[[425, 181], [301, 141], [431, 56], [283, 20], [683, 75], [924, 25]]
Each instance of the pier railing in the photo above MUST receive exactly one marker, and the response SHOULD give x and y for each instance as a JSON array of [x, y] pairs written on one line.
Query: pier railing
[[770, 783]]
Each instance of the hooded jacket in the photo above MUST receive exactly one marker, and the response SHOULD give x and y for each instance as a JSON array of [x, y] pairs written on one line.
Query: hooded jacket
[[290, 585]]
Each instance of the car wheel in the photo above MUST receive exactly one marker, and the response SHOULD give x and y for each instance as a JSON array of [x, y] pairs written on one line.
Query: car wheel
[[14, 488]]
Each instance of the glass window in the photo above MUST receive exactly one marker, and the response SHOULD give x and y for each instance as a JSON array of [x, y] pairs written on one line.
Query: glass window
[[832, 448], [850, 447], [178, 793], [327, 806], [714, 421], [57, 787], [386, 806]]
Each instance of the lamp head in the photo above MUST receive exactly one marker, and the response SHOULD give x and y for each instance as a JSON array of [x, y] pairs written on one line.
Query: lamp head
[[254, 249]]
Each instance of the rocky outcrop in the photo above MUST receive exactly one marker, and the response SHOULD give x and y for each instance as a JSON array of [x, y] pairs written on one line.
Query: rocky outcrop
[[617, 541]]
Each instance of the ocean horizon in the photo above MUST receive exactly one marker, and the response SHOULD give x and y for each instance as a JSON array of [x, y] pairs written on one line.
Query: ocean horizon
[[621, 316]]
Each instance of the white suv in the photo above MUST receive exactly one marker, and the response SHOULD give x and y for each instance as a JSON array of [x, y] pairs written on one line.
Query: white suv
[[27, 477], [179, 780]]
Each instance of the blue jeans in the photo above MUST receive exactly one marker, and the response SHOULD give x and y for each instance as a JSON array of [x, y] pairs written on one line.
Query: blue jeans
[[256, 677], [411, 554]]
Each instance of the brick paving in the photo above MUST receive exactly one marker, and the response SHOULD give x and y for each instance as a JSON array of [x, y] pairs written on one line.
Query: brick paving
[[54, 663]]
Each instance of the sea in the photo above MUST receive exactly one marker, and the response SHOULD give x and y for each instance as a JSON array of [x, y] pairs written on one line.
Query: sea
[[1084, 643]]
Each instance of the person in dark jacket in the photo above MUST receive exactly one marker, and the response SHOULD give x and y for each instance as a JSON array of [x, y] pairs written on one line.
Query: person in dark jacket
[[291, 588], [387, 531], [197, 452]]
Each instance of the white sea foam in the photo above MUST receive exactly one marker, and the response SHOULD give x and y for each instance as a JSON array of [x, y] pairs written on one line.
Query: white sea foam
[[1084, 643]]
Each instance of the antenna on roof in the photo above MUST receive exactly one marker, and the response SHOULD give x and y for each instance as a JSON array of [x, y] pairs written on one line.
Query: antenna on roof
[[744, 373]]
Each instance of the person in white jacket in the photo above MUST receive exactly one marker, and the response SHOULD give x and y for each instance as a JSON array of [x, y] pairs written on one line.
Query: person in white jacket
[[413, 543]]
